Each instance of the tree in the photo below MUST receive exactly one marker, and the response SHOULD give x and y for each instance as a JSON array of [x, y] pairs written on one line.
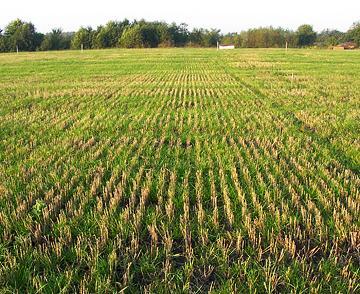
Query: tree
[[232, 38], [353, 33], [305, 35], [2, 42], [162, 30], [141, 35], [267, 37], [100, 39], [150, 35], [22, 35], [84, 36], [108, 36], [114, 31], [196, 37], [131, 37], [210, 38], [329, 38], [290, 38], [204, 38], [55, 40], [179, 34], [144, 34]]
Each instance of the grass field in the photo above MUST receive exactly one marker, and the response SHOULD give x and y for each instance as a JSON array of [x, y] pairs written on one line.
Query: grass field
[[180, 170]]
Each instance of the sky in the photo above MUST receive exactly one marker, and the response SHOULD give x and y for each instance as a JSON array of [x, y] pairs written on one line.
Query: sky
[[226, 15]]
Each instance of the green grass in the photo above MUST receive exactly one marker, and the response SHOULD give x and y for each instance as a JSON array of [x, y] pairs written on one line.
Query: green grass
[[180, 170]]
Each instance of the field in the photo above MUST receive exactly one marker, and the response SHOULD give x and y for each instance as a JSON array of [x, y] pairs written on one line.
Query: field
[[180, 170]]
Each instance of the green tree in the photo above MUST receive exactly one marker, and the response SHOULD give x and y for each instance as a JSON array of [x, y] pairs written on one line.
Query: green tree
[[329, 38], [55, 40], [22, 35], [204, 38], [267, 37], [150, 35], [131, 37], [232, 38], [196, 37], [100, 39], [114, 31], [165, 38], [141, 35], [2, 42], [306, 36], [108, 36], [84, 36], [210, 38], [353, 33], [290, 38], [179, 34]]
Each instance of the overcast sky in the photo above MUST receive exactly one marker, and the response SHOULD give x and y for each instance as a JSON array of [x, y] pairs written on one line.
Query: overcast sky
[[227, 15]]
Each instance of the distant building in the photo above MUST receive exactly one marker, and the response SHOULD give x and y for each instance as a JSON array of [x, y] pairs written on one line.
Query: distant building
[[345, 46], [226, 47]]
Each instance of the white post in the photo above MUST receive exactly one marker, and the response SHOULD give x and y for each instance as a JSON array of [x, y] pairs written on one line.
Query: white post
[[17, 49], [217, 45], [82, 47], [286, 46]]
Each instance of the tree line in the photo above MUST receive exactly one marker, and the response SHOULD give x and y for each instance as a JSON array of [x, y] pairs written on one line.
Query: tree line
[[21, 35], [304, 36]]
